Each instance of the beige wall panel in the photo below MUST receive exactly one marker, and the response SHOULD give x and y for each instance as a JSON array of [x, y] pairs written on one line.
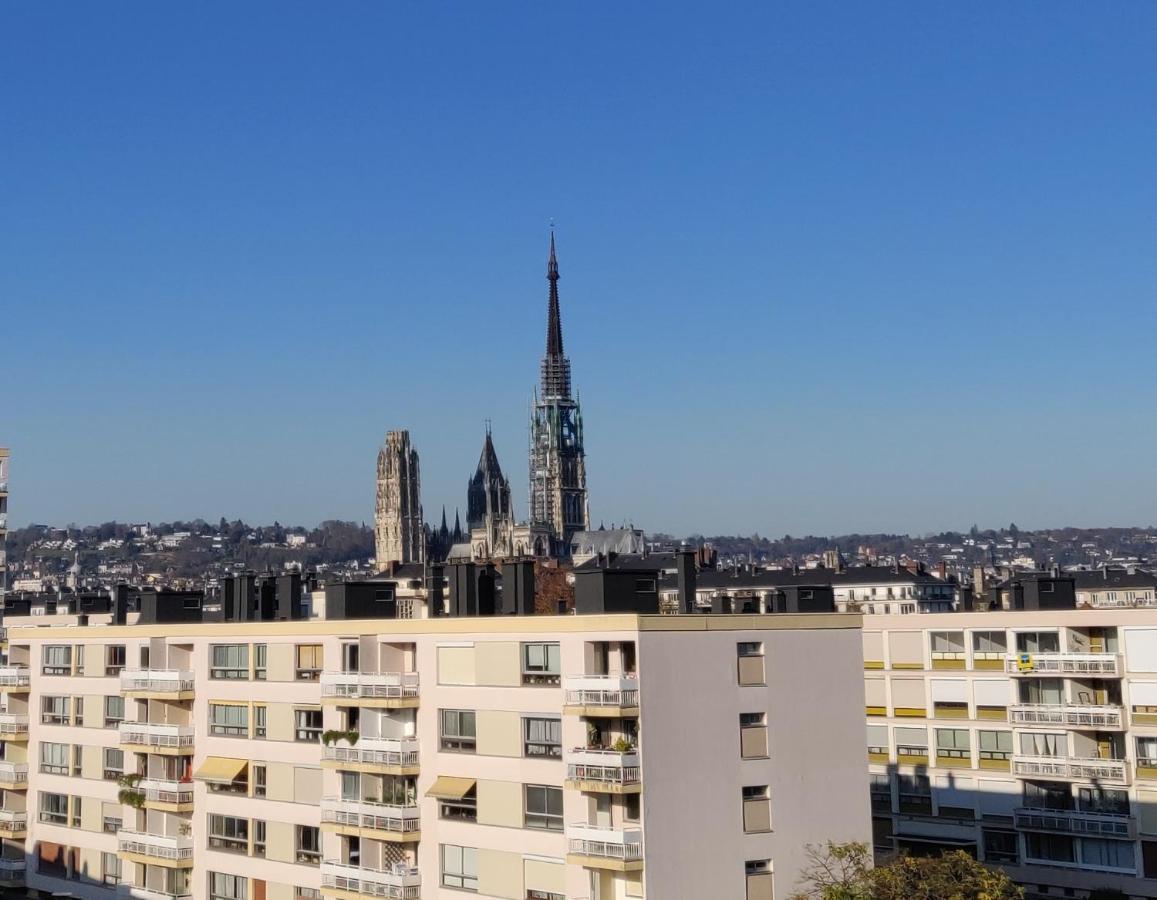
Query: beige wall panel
[[544, 876], [90, 814], [499, 733], [92, 762], [280, 662], [875, 692], [751, 670], [909, 693], [906, 647], [633, 884], [307, 785], [500, 874], [279, 841], [279, 781], [753, 742], [275, 890], [92, 713], [873, 646], [759, 887], [89, 861], [756, 815], [456, 665], [497, 663], [500, 803], [279, 722]]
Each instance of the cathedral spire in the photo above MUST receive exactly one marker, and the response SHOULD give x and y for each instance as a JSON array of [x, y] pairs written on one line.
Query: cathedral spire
[[554, 317]]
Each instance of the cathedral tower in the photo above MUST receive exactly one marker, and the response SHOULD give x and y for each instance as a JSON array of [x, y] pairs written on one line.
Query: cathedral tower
[[558, 478], [399, 531]]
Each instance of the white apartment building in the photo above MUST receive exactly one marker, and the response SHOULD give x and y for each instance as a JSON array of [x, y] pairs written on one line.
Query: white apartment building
[[1028, 738], [596, 757], [4, 461]]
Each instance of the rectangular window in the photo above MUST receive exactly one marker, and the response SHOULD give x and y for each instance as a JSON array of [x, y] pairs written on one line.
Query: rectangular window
[[54, 710], [229, 662], [1107, 854], [258, 837], [309, 659], [228, 720], [459, 867], [644, 585], [541, 664], [114, 659], [995, 744], [756, 809], [542, 738], [1049, 847], [457, 730], [542, 807], [114, 710], [114, 763], [57, 660], [749, 648], [260, 661], [260, 783], [952, 743], [54, 758], [1001, 846], [260, 720], [307, 725], [228, 887], [54, 808], [229, 833], [989, 645], [752, 720], [110, 868], [465, 809], [77, 760], [309, 844]]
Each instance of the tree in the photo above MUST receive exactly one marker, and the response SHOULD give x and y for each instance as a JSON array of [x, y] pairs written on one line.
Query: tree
[[844, 872]]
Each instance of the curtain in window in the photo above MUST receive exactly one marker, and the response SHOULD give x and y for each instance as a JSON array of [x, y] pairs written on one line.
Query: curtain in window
[[1032, 744], [544, 731], [58, 656], [230, 656], [228, 716]]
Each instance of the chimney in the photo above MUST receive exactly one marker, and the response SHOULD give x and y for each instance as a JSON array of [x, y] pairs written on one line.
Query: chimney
[[685, 571], [435, 591]]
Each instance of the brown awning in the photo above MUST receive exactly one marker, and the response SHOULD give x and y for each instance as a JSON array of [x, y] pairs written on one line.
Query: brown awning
[[450, 788]]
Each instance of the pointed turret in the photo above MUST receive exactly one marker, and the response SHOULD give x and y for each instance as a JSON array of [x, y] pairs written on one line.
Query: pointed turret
[[554, 315]]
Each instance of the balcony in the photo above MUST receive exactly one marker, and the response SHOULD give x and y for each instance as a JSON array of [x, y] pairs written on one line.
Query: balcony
[[13, 824], [1113, 771], [391, 756], [165, 739], [1068, 715], [134, 892], [14, 679], [170, 796], [162, 684], [13, 727], [601, 695], [617, 849], [603, 771], [399, 883], [13, 776], [11, 869], [386, 690], [388, 822], [168, 850], [1097, 665], [1064, 821]]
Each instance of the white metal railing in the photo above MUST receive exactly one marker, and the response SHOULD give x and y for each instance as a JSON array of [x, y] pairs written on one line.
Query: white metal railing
[[369, 814], [174, 736], [1075, 822], [137, 892], [1116, 770], [14, 676], [605, 766], [11, 867], [365, 686], [155, 846], [375, 751], [157, 790], [13, 821], [624, 844], [1071, 714], [14, 772], [398, 883], [12, 724], [1097, 664], [601, 690], [158, 680]]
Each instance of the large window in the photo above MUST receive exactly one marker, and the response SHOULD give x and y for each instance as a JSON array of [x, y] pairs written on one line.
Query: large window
[[228, 887], [457, 727], [989, 645], [54, 710], [309, 844], [1050, 847], [114, 710], [952, 743], [995, 745], [54, 758], [54, 808], [1001, 846], [459, 867], [260, 780], [260, 721], [229, 833], [542, 738], [114, 763], [228, 720], [1107, 854], [541, 664], [1108, 801], [110, 868], [307, 725], [309, 658], [57, 660], [229, 662], [114, 659], [543, 807], [260, 661]]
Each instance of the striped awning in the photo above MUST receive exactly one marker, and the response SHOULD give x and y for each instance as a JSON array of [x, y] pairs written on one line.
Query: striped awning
[[221, 769], [450, 788]]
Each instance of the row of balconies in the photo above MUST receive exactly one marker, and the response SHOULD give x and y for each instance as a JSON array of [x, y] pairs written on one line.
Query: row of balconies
[[147, 848], [1078, 822], [1069, 715], [1076, 665]]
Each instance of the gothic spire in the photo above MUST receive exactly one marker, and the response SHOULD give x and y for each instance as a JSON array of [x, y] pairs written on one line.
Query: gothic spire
[[554, 318]]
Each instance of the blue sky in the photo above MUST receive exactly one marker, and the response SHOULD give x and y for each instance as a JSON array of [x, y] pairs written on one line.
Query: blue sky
[[825, 266]]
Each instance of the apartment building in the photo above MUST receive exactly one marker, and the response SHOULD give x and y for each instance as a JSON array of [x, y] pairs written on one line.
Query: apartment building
[[1026, 737], [4, 460], [154, 751]]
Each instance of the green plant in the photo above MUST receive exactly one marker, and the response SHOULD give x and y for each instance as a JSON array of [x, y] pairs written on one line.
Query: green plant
[[622, 745], [131, 797], [334, 735]]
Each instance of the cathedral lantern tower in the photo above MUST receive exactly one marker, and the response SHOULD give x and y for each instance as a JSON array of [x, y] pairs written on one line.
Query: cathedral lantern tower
[[399, 530]]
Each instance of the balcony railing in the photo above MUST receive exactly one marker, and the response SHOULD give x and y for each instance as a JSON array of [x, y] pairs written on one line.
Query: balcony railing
[[364, 686], [1095, 664], [11, 868], [1067, 714], [399, 883], [368, 814], [601, 690], [13, 725], [167, 681], [134, 892], [376, 752], [14, 772], [624, 844], [162, 791], [160, 736], [155, 846], [1075, 822], [11, 821], [608, 767], [14, 677], [1085, 769]]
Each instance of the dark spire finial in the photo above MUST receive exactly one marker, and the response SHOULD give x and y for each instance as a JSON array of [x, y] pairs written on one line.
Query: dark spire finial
[[554, 317]]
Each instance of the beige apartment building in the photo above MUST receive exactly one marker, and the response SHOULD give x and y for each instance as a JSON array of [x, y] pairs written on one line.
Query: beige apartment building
[[587, 757], [1028, 738]]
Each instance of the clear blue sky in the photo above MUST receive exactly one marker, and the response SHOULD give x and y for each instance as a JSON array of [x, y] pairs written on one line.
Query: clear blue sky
[[826, 266]]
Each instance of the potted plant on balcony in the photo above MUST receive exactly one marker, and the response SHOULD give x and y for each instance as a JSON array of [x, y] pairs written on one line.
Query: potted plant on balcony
[[129, 794], [622, 745], [332, 736]]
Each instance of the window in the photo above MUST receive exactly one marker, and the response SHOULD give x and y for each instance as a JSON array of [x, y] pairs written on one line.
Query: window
[[54, 759], [465, 809], [258, 837], [995, 744], [1103, 800], [752, 720], [989, 645], [749, 648], [1047, 795], [914, 794], [307, 725], [229, 833], [384, 595], [114, 763], [1107, 854], [532, 894], [1001, 846], [54, 808], [110, 868], [631, 807], [542, 738], [228, 887], [54, 710], [880, 787], [112, 824], [308, 662], [1050, 847], [114, 710], [1147, 751], [458, 730], [260, 780], [229, 662], [543, 807], [308, 844], [260, 720], [77, 760], [459, 867], [260, 661], [644, 585], [952, 743], [306, 893], [753, 735], [57, 660], [756, 809], [114, 659], [228, 720], [541, 664], [751, 670]]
